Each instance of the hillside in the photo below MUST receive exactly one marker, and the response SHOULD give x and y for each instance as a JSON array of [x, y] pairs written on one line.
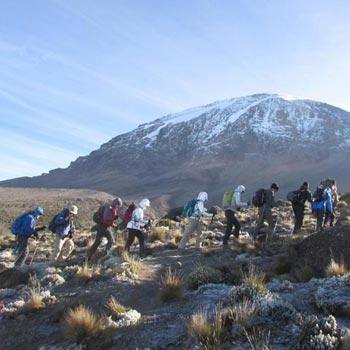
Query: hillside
[[253, 140]]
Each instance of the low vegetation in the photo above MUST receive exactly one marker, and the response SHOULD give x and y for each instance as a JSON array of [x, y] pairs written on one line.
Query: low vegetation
[[254, 278], [171, 286], [334, 268], [203, 274], [136, 266], [115, 308]]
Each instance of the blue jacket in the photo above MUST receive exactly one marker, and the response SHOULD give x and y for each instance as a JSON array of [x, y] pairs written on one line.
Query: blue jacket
[[27, 225], [327, 200], [64, 223]]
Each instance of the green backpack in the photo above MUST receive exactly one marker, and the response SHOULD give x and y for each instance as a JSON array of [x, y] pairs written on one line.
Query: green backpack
[[227, 199]]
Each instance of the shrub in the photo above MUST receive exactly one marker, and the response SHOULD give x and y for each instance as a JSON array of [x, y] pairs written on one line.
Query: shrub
[[136, 266], [258, 340], [84, 272], [81, 323], [157, 234], [334, 268], [203, 274], [115, 307], [171, 286], [35, 300], [254, 278], [166, 222], [209, 334]]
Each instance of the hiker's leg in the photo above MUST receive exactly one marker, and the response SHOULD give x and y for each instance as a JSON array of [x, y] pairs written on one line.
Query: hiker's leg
[[260, 221], [229, 215], [69, 246], [237, 225], [130, 240], [23, 250], [93, 248], [326, 218], [189, 230], [109, 236], [319, 217], [141, 238], [58, 247], [295, 211], [299, 218], [199, 234], [332, 217], [269, 219]]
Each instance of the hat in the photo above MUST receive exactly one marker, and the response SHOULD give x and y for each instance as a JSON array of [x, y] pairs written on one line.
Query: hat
[[73, 209], [275, 186], [38, 211], [306, 184], [117, 201]]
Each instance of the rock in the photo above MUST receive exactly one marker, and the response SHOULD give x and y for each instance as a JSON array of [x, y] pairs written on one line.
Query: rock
[[109, 260], [128, 318], [6, 265], [52, 280], [316, 250], [6, 254], [11, 278], [178, 265]]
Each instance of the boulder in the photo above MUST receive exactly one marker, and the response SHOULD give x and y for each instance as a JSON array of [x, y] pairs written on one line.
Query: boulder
[[316, 250], [11, 278]]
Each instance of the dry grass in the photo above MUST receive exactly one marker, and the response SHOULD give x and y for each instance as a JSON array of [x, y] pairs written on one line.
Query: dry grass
[[258, 340], [115, 307], [35, 300], [84, 272], [335, 269], [171, 286], [209, 334], [157, 234], [176, 235], [81, 323], [136, 266], [119, 250], [242, 313], [254, 278]]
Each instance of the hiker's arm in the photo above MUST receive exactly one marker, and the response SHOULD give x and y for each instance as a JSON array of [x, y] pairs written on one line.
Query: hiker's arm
[[329, 203], [110, 214], [138, 217], [29, 226], [202, 211], [237, 200], [62, 219]]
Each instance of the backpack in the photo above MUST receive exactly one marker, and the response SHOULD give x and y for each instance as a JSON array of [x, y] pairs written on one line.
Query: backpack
[[318, 194], [227, 199], [17, 224], [98, 215], [188, 209], [128, 213], [258, 199], [293, 196], [52, 224]]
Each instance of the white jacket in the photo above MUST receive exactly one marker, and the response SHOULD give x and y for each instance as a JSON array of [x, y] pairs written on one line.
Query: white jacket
[[236, 198], [199, 209], [137, 216]]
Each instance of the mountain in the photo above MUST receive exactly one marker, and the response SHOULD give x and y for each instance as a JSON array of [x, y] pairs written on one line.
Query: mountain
[[253, 140]]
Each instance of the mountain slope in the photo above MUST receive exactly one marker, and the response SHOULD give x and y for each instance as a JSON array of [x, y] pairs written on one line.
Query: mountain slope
[[252, 140]]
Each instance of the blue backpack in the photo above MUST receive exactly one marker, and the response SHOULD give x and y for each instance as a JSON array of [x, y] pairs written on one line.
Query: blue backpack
[[188, 209], [17, 225]]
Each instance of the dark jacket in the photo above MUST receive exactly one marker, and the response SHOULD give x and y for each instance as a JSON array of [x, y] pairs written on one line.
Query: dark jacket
[[270, 199], [64, 222]]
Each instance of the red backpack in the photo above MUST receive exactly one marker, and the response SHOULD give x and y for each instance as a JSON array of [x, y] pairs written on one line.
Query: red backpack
[[128, 213]]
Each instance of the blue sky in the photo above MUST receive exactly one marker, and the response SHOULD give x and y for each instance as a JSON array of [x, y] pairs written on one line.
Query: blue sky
[[74, 74]]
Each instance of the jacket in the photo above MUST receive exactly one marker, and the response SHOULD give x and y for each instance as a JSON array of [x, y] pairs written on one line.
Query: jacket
[[137, 216], [236, 199], [64, 222], [305, 195], [327, 201], [28, 225], [269, 200], [109, 215], [199, 209]]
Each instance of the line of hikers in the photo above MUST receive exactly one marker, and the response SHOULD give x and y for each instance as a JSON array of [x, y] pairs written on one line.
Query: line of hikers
[[323, 201]]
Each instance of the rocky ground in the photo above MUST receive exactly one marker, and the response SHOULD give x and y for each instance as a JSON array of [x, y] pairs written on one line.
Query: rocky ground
[[301, 304]]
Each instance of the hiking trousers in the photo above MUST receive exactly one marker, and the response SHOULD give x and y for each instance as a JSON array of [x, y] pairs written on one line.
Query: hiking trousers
[[102, 231], [61, 242], [319, 213], [133, 232], [194, 226], [299, 217], [264, 214], [329, 217], [231, 221], [23, 250]]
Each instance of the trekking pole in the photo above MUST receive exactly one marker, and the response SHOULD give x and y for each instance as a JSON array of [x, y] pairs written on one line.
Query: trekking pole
[[277, 221], [31, 260]]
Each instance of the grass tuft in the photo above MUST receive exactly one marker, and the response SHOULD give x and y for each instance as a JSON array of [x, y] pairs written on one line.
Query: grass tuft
[[335, 269], [81, 323], [136, 266], [115, 307], [157, 234], [209, 334], [171, 286], [258, 340], [254, 278]]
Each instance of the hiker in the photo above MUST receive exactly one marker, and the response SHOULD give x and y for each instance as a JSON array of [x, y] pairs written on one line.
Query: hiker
[[134, 226], [322, 198], [303, 195], [65, 230], [230, 212], [195, 222], [329, 216], [265, 212], [105, 226], [24, 227]]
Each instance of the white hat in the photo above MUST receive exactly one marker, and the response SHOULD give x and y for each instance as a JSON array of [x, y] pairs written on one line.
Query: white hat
[[73, 209]]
